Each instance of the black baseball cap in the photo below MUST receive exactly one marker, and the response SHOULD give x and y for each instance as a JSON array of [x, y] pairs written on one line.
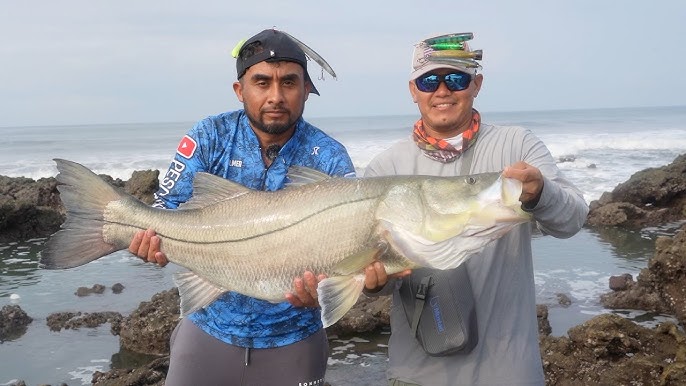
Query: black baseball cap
[[271, 45]]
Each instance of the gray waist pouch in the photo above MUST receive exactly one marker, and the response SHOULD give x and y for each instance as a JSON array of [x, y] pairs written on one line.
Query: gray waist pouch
[[440, 309]]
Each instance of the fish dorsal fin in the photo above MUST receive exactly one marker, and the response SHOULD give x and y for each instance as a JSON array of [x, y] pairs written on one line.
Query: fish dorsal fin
[[195, 292], [209, 189], [302, 175]]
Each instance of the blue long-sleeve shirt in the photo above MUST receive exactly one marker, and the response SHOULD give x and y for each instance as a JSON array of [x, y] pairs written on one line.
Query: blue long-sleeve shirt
[[225, 145]]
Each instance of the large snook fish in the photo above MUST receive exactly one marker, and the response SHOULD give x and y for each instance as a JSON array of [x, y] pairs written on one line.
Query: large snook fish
[[232, 238]]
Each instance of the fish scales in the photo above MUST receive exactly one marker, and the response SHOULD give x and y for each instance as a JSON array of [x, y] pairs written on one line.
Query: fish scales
[[232, 238]]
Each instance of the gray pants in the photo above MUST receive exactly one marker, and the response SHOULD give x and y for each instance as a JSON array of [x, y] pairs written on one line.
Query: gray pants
[[200, 359]]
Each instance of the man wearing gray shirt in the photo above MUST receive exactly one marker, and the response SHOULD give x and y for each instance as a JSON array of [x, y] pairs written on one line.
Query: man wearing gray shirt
[[444, 83]]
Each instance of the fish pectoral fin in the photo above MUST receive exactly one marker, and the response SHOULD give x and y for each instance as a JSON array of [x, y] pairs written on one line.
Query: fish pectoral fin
[[195, 292], [337, 295], [357, 262], [209, 189]]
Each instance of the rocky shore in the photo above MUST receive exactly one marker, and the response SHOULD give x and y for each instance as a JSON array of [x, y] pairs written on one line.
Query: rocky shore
[[606, 350]]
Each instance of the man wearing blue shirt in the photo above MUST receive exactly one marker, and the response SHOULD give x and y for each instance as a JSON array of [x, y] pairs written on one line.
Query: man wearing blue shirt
[[238, 339]]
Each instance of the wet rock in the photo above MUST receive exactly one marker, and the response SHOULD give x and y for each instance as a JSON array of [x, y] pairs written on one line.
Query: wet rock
[[628, 215], [118, 288], [148, 329], [566, 158], [621, 282], [75, 320], [152, 374], [32, 209], [544, 327], [368, 314], [28, 208], [661, 287], [611, 350], [563, 300], [13, 322], [85, 291], [650, 197], [143, 184]]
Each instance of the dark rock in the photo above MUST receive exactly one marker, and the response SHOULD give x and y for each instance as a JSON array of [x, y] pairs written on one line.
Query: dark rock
[[544, 327], [661, 287], [118, 288], [628, 215], [28, 208], [13, 322], [368, 314], [75, 320], [148, 328], [563, 300], [650, 197], [611, 350], [592, 166], [84, 291], [32, 209], [143, 185], [566, 158], [153, 374], [621, 282]]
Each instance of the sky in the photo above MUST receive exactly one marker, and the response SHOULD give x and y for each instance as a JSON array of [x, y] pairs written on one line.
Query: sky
[[98, 62]]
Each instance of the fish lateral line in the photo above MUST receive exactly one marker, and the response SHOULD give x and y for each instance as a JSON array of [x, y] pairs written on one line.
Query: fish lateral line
[[257, 236]]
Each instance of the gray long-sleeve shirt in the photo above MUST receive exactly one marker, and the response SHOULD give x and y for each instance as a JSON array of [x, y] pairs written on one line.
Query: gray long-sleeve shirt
[[502, 276]]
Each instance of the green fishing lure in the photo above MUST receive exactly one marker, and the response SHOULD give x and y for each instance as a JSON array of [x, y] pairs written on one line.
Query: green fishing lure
[[449, 39], [446, 46]]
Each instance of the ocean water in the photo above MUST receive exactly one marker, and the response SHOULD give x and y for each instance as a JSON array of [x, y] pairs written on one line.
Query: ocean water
[[607, 146]]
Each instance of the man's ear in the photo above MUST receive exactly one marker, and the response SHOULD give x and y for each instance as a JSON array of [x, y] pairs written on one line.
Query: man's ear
[[238, 89], [478, 81], [413, 91]]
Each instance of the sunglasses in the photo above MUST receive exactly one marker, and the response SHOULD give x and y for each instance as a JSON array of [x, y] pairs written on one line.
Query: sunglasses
[[455, 81]]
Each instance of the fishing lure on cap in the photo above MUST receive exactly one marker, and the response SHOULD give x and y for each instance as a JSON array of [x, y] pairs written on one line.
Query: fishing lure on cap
[[467, 63], [447, 46], [237, 49], [450, 38], [476, 54], [312, 54]]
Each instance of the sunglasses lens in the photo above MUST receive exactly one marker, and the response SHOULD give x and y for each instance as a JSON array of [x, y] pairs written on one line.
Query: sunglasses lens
[[457, 81], [428, 83]]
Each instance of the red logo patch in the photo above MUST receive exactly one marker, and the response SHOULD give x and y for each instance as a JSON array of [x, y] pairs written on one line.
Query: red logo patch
[[187, 147]]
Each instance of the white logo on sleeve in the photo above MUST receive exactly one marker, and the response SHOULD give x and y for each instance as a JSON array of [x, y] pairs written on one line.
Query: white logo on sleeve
[[315, 150]]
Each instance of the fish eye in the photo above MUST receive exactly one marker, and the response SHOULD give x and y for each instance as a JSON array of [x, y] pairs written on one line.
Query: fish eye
[[470, 180]]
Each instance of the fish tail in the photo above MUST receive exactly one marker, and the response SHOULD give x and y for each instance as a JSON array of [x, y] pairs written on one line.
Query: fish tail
[[337, 295], [80, 240]]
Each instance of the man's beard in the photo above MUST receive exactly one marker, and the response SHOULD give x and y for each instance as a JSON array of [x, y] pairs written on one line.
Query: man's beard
[[270, 128]]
